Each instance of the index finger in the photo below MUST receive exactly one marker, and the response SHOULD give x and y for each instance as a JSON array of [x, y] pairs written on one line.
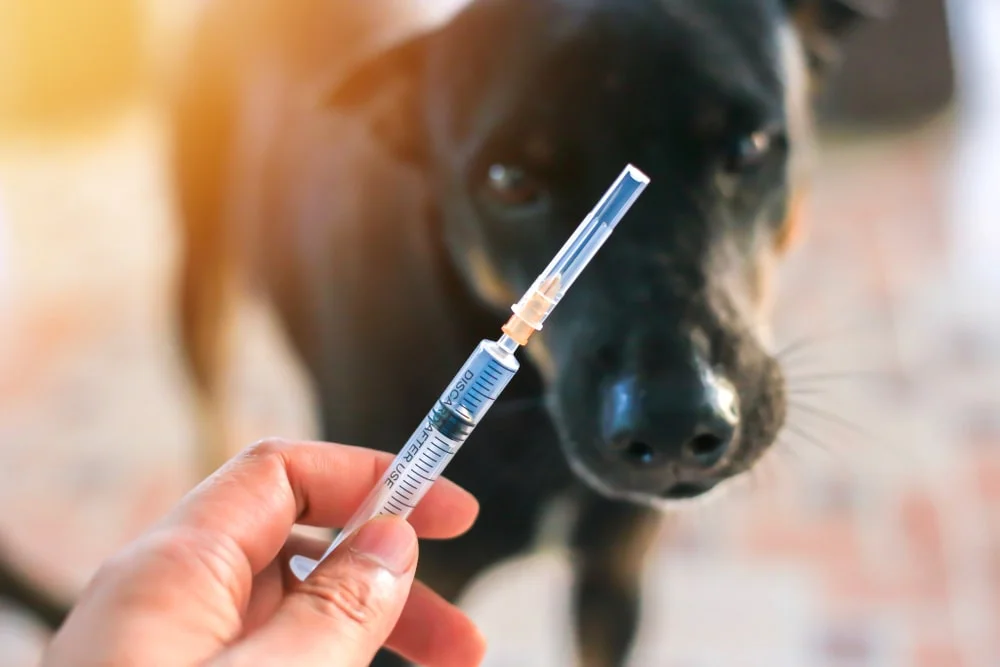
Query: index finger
[[257, 497]]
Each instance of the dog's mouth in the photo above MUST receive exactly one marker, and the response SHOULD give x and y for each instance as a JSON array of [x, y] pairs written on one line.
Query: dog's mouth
[[672, 495], [687, 490]]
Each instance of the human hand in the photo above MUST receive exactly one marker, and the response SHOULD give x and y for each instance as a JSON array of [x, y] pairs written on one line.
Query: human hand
[[210, 583]]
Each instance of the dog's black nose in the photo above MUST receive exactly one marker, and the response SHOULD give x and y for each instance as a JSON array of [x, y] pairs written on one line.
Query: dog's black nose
[[648, 423]]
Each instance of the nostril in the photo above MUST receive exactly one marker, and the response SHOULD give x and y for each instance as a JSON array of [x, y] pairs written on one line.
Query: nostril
[[640, 452], [706, 444], [707, 448]]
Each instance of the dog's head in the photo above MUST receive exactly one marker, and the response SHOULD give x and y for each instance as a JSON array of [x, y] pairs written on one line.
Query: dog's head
[[522, 112]]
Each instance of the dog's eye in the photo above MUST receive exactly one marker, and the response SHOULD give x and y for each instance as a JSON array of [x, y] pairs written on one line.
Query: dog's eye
[[513, 186], [752, 149]]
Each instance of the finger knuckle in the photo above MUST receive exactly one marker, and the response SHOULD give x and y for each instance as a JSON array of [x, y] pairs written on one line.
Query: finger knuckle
[[352, 599]]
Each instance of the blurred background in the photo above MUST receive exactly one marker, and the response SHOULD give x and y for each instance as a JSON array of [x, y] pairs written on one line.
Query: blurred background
[[870, 537]]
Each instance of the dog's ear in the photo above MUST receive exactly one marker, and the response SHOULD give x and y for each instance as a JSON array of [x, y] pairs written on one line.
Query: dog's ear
[[824, 24], [385, 91]]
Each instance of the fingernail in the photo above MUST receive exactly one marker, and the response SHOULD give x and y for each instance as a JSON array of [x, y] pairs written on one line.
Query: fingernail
[[389, 541]]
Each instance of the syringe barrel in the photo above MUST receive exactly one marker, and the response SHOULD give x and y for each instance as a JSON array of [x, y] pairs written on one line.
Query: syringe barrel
[[474, 388], [446, 427], [486, 373]]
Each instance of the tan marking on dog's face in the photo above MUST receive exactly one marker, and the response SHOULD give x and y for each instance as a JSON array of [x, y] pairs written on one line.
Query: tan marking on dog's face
[[791, 228], [540, 354], [763, 292], [486, 281], [799, 127], [798, 111]]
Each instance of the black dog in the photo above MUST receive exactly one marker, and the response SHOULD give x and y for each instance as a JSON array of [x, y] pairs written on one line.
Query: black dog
[[490, 138], [393, 227]]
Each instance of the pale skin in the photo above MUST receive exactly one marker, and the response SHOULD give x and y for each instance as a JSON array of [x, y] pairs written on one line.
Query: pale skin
[[210, 585]]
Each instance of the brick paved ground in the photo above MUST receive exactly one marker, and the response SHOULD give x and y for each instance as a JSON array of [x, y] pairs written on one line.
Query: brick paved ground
[[870, 543]]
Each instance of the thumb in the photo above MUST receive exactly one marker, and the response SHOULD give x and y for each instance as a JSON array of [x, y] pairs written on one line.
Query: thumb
[[345, 610]]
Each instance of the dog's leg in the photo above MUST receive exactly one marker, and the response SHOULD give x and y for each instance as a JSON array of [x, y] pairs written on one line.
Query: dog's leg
[[204, 111], [206, 311], [611, 542]]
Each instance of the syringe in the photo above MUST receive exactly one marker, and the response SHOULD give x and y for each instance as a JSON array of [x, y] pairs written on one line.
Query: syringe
[[486, 372]]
